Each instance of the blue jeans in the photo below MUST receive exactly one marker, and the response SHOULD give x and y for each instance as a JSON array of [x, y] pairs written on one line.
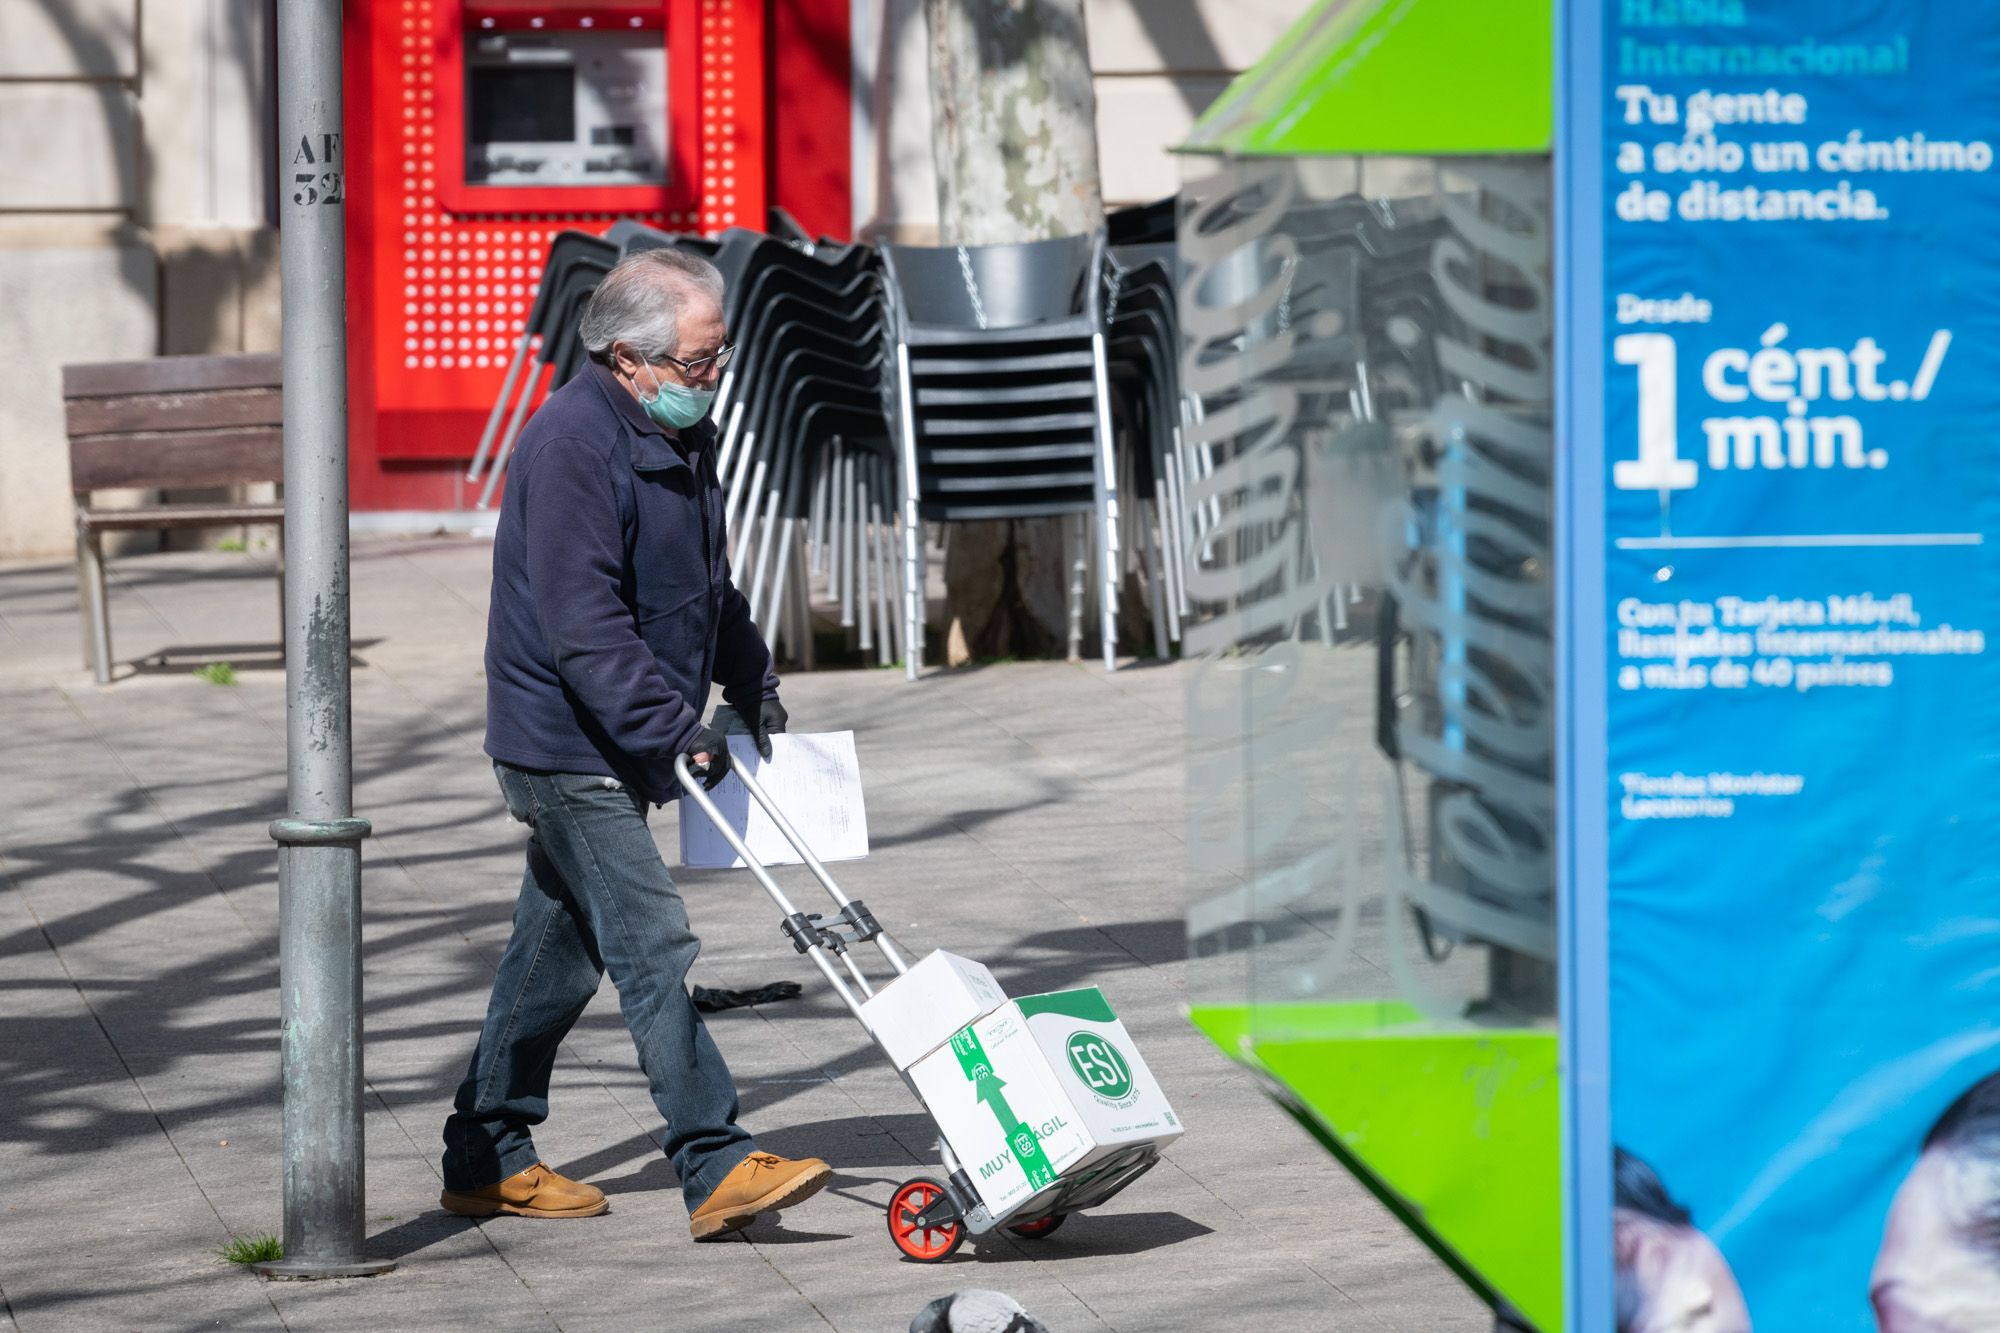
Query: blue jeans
[[596, 897]]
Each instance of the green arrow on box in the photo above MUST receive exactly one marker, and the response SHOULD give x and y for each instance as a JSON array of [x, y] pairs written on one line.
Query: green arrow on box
[[987, 1088]]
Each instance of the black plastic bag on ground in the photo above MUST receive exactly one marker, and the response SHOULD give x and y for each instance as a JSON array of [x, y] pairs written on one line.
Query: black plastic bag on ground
[[712, 1000]]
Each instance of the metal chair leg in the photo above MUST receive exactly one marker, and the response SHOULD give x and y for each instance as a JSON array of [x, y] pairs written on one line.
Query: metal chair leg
[[741, 554], [512, 433], [1167, 550], [843, 562], [802, 620], [1073, 551], [733, 496], [909, 520], [911, 531], [879, 552], [863, 565], [765, 573], [1156, 590], [725, 454], [500, 404], [774, 608], [1106, 551], [1183, 531], [816, 518]]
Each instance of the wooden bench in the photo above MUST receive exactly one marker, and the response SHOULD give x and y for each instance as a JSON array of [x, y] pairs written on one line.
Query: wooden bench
[[171, 423]]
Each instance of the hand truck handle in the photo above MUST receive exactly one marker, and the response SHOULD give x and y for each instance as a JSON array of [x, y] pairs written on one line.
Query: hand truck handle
[[692, 786], [799, 843], [791, 836]]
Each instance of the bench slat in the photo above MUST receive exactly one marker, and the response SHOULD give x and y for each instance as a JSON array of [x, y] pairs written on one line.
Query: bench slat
[[165, 461], [155, 517], [158, 412], [169, 374]]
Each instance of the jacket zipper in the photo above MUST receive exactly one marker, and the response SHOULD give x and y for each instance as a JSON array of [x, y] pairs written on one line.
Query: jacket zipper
[[701, 475]]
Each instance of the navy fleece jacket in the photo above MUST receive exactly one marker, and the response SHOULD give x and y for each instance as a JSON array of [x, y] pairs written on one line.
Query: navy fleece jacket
[[612, 607]]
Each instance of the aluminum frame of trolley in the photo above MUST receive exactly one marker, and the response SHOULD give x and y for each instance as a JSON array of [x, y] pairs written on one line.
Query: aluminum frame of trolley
[[928, 1218]]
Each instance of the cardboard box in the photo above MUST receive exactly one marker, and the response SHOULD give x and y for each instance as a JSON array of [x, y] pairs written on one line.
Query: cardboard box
[[1100, 1069], [1039, 1090], [918, 1011]]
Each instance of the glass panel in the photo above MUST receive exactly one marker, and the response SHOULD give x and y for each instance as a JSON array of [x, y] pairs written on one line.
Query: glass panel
[[1367, 477]]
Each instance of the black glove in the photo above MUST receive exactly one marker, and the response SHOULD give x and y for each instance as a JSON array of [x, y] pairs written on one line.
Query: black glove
[[771, 719], [708, 741]]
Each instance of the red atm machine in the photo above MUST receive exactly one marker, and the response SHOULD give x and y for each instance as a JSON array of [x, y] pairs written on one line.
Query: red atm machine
[[478, 128]]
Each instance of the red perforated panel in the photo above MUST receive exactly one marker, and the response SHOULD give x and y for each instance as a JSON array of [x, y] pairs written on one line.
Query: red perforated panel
[[437, 296]]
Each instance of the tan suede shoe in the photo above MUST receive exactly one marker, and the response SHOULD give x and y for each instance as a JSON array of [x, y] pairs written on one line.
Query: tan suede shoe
[[536, 1192], [760, 1183]]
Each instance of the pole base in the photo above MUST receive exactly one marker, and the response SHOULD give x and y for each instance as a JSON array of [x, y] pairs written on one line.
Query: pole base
[[302, 1270]]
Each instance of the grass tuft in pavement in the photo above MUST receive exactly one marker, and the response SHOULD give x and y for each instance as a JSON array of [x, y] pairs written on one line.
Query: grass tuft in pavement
[[253, 1250], [217, 673]]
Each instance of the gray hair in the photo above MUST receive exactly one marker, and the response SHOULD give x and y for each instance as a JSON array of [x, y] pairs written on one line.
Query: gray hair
[[639, 302]]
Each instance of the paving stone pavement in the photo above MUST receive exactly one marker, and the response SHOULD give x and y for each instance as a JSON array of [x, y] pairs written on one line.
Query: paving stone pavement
[[1027, 814]]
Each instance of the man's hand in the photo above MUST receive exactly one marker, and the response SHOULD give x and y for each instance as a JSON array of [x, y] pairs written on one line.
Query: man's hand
[[708, 757], [771, 719]]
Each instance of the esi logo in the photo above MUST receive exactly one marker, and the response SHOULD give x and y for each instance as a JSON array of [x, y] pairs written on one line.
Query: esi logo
[[1100, 1065]]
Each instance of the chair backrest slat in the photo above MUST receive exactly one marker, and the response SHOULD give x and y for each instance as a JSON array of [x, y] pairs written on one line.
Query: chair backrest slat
[[161, 412], [168, 374], [178, 460], [176, 422]]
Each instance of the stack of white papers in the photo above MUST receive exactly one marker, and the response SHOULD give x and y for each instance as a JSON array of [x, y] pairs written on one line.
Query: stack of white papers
[[814, 779]]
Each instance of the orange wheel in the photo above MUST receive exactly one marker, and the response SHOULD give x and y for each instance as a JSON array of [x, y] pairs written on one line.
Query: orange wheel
[[927, 1244], [1038, 1228]]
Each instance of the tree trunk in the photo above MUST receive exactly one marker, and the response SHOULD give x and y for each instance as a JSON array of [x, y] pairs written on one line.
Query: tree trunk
[[1014, 137]]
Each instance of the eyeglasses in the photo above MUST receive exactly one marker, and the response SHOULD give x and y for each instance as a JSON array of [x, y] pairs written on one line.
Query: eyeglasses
[[699, 367]]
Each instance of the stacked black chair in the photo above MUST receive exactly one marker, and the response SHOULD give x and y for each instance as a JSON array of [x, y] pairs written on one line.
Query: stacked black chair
[[1143, 343], [1143, 224], [1142, 326], [1003, 404], [576, 261], [877, 390], [805, 438], [804, 435]]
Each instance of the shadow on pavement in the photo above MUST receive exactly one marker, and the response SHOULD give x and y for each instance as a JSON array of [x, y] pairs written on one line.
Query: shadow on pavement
[[178, 659], [420, 1232], [1091, 1235], [903, 1142], [189, 1002], [770, 1231]]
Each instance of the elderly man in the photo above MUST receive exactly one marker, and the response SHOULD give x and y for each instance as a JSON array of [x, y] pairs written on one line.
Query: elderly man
[[612, 612]]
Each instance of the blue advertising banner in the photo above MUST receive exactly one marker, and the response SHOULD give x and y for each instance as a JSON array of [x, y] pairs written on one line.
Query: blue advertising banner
[[1801, 365]]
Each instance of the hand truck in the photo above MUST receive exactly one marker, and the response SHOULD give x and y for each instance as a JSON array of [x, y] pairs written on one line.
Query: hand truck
[[929, 1218]]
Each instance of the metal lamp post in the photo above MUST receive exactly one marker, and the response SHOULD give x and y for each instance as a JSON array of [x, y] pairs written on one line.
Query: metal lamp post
[[319, 857]]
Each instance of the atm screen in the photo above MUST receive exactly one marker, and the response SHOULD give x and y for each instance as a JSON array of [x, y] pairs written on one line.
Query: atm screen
[[516, 104]]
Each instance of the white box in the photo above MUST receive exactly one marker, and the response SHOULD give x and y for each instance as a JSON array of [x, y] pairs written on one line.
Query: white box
[[1041, 1089], [918, 1011], [1099, 1067]]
